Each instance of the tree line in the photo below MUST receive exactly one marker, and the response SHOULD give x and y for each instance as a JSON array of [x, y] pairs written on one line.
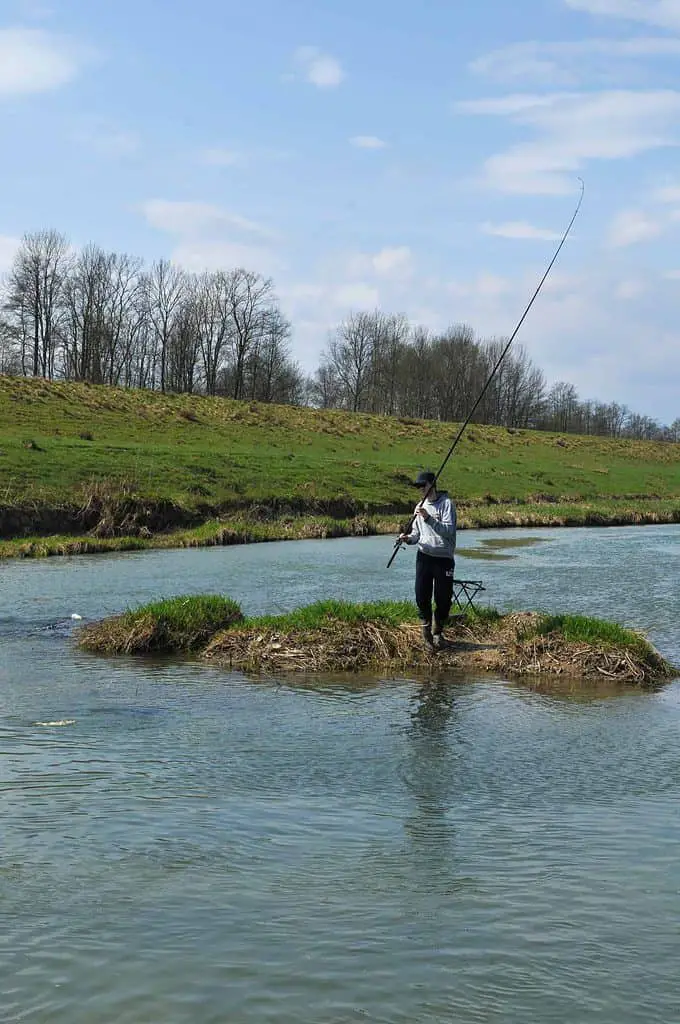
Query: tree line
[[106, 318], [377, 362]]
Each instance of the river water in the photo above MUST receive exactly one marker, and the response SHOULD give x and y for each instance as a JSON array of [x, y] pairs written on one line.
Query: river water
[[188, 845]]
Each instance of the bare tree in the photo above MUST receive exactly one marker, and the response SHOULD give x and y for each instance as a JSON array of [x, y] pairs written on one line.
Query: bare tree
[[642, 428], [561, 407], [269, 371], [415, 377], [10, 356], [33, 301], [250, 300], [350, 354], [390, 337], [213, 294], [324, 388], [183, 348], [123, 315], [458, 369], [516, 395], [99, 316], [85, 322], [165, 288]]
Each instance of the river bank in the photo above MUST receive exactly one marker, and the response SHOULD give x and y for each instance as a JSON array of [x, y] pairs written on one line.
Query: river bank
[[89, 468], [264, 523]]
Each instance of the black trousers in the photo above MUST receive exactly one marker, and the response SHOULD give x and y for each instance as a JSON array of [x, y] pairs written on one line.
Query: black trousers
[[438, 572]]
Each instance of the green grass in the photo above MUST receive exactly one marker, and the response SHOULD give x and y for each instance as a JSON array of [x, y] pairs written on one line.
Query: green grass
[[186, 623], [330, 634], [320, 614], [175, 625], [216, 454], [485, 615], [588, 630]]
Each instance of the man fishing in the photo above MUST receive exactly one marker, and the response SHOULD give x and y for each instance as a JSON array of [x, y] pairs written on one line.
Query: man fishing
[[434, 531]]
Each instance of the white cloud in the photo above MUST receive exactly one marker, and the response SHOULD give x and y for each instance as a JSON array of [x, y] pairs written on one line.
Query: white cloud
[[227, 156], [107, 141], [630, 227], [219, 157], [575, 332], [344, 284], [208, 237], [520, 230], [207, 254], [8, 249], [569, 63], [303, 291], [584, 328], [34, 61], [367, 142], [196, 218], [665, 13], [317, 307], [483, 286], [668, 194], [632, 288], [515, 104], [356, 295], [571, 129], [35, 10], [393, 262], [320, 69]]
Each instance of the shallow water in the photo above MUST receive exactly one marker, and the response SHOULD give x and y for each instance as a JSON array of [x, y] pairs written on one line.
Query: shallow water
[[191, 846]]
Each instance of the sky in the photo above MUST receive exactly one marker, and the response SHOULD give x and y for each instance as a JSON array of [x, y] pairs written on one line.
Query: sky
[[421, 158]]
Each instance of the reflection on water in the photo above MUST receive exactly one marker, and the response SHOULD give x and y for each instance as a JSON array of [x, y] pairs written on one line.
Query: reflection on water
[[512, 542], [494, 548], [186, 845], [429, 776], [434, 703], [483, 554]]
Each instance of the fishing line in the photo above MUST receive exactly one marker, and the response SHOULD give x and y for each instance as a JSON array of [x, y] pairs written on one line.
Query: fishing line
[[398, 543]]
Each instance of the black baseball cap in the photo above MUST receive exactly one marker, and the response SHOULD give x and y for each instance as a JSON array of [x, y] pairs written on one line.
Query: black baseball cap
[[423, 478]]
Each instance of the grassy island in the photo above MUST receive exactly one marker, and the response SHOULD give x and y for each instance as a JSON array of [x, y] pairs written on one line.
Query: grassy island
[[337, 636], [87, 468]]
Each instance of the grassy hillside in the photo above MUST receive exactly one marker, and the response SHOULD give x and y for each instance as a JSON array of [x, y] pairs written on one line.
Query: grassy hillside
[[65, 444]]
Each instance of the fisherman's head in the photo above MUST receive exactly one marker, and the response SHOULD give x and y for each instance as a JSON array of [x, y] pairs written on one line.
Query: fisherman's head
[[425, 481]]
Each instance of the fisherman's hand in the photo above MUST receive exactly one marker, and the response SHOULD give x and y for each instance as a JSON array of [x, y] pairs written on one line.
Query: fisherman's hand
[[425, 515], [403, 537]]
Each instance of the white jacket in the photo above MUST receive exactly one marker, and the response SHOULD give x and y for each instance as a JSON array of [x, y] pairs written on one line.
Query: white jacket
[[437, 535]]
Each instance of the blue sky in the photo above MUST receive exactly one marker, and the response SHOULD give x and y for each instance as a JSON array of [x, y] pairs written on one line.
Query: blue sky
[[420, 157]]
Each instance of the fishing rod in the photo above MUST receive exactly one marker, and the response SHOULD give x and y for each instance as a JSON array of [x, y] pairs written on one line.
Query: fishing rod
[[398, 543]]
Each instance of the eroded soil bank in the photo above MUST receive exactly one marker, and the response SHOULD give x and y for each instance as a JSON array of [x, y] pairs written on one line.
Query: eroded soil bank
[[33, 530], [508, 647]]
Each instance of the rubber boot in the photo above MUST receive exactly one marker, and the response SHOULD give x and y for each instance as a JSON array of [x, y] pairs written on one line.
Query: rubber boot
[[426, 630]]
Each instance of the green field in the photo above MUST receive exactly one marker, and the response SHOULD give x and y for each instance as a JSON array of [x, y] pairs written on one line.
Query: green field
[[66, 447]]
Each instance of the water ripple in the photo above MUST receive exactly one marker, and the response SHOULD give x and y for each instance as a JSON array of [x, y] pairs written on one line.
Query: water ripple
[[195, 847]]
